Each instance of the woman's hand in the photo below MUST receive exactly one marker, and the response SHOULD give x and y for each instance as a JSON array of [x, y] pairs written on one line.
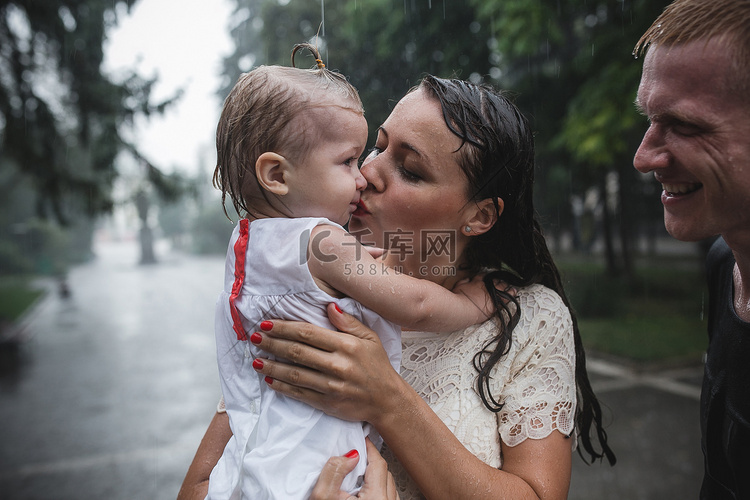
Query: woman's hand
[[378, 485], [347, 375]]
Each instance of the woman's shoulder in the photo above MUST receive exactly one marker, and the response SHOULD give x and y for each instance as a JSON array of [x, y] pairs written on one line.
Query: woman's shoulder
[[544, 316], [539, 298]]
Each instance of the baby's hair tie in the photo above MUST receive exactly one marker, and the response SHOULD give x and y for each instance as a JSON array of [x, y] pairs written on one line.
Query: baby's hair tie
[[313, 50]]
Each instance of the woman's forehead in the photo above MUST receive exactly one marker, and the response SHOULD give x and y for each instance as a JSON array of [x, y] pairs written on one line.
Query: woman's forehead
[[417, 122]]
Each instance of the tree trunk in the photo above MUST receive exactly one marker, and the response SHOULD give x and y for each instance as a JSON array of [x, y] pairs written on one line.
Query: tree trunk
[[609, 246], [146, 236]]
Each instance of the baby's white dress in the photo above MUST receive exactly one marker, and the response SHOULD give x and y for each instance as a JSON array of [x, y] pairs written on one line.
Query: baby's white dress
[[279, 445]]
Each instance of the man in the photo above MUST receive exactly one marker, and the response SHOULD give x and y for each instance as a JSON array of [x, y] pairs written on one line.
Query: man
[[695, 91]]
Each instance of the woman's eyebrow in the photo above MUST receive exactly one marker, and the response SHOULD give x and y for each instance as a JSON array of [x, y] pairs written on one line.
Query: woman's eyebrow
[[402, 144]]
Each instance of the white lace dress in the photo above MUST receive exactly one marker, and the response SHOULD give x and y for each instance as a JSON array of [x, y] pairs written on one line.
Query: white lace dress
[[535, 381]]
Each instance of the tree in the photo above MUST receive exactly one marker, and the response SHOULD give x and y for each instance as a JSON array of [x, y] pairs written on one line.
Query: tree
[[573, 61], [60, 117]]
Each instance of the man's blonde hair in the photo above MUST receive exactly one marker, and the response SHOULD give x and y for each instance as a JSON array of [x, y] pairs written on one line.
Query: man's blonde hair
[[726, 21]]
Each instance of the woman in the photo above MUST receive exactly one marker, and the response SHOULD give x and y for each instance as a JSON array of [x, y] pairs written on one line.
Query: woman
[[495, 404]]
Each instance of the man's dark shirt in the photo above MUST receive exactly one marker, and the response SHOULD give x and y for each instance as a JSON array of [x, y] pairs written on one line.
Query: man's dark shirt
[[725, 398]]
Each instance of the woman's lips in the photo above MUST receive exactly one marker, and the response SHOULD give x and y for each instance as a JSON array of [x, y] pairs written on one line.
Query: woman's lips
[[361, 209]]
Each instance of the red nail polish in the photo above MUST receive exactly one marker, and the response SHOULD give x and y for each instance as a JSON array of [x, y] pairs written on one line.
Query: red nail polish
[[352, 454], [266, 325], [256, 338], [258, 364], [268, 380], [339, 310]]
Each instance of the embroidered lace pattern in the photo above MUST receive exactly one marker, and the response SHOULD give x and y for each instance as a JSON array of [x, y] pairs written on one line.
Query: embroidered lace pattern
[[535, 381]]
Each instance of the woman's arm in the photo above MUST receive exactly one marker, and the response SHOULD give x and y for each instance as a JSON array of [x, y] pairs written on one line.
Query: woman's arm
[[195, 485], [349, 376], [342, 263]]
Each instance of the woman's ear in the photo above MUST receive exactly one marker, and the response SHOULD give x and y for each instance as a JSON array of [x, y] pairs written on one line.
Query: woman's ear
[[271, 171], [483, 216]]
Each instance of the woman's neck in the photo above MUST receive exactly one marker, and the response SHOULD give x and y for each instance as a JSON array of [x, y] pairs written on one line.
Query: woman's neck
[[439, 270]]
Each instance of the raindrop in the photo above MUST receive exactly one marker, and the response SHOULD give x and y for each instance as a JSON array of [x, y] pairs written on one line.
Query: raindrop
[[306, 28], [69, 22], [245, 63], [322, 18]]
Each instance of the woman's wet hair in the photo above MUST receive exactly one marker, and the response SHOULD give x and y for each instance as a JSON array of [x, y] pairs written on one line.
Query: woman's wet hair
[[497, 156], [259, 115]]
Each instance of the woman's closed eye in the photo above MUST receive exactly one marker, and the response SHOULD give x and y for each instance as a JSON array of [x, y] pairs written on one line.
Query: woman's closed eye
[[407, 175]]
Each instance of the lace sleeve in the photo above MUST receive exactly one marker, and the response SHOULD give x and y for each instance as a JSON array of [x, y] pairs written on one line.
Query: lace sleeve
[[538, 390]]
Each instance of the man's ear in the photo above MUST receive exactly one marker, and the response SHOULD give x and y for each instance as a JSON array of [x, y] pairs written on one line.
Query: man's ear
[[271, 170], [483, 216]]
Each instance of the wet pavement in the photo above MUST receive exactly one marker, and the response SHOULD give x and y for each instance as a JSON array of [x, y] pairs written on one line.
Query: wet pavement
[[112, 389]]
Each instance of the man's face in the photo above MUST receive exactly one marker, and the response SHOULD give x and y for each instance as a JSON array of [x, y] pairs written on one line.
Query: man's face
[[698, 141]]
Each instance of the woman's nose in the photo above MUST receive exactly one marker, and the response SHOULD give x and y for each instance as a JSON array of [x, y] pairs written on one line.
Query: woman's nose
[[652, 154], [372, 174]]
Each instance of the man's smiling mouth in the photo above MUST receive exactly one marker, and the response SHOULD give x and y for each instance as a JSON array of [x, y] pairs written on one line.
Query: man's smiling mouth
[[681, 189]]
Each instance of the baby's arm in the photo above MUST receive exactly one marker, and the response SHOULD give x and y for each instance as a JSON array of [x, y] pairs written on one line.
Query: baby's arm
[[336, 258]]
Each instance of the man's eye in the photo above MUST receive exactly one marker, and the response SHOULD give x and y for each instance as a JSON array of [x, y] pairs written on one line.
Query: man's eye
[[686, 129]]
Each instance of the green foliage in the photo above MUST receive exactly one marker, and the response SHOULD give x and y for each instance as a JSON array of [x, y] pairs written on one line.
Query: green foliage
[[658, 317], [573, 60], [16, 296], [60, 116], [647, 338]]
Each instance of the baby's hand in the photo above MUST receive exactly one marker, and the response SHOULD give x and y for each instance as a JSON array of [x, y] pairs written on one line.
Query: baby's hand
[[476, 292]]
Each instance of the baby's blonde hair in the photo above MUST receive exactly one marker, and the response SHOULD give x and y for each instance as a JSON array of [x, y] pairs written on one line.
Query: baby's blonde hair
[[257, 117]]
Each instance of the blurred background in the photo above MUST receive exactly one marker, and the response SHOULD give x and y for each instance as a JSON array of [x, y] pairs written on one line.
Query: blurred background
[[112, 237]]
